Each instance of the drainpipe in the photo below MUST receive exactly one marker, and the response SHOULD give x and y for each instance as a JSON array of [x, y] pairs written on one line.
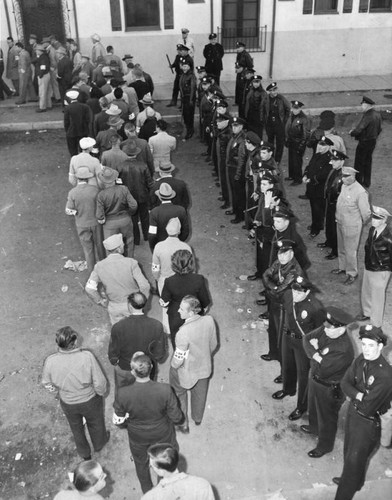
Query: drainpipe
[[272, 39], [7, 15], [76, 23], [211, 16]]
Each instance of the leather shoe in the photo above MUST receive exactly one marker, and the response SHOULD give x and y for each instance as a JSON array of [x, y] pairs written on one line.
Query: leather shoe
[[314, 234], [253, 277], [316, 453], [296, 414], [350, 280], [184, 429], [264, 316], [235, 221], [229, 212], [362, 317], [267, 357], [225, 205], [331, 256], [322, 245], [261, 302], [306, 429], [278, 379], [303, 197], [337, 271], [281, 394], [336, 480], [288, 179], [39, 110]]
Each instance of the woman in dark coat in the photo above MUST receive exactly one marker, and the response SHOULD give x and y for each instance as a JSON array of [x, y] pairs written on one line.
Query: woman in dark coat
[[184, 282]]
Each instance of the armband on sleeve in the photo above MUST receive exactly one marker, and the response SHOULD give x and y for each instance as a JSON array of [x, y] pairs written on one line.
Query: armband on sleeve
[[92, 285], [119, 420], [153, 229], [155, 267], [180, 355]]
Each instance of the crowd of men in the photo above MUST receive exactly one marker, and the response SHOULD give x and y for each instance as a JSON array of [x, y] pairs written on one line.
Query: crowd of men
[[122, 174]]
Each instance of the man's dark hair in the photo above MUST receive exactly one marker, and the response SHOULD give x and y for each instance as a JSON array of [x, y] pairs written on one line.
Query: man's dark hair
[[130, 127], [193, 303], [162, 125], [118, 93], [85, 475], [10, 38], [114, 139], [137, 300], [66, 337], [141, 364], [164, 456], [109, 48], [19, 44]]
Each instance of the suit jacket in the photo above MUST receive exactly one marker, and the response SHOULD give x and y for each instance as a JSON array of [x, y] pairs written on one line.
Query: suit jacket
[[160, 216], [180, 188], [136, 176], [12, 64], [77, 120], [64, 72], [162, 145]]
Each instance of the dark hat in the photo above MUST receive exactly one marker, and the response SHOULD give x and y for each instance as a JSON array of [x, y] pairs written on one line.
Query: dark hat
[[266, 145], [297, 104], [373, 333], [284, 245], [199, 69], [219, 94], [61, 50], [225, 116], [301, 284], [250, 70], [367, 100], [108, 175], [131, 149], [236, 120], [221, 103], [327, 114], [324, 141], [127, 56], [212, 36], [184, 30], [206, 79], [336, 317], [337, 155], [272, 86], [267, 176], [257, 78], [282, 212], [180, 46], [241, 44], [252, 138], [34, 37]]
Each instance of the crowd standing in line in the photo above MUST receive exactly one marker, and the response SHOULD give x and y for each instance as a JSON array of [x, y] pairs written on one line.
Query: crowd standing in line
[[121, 172]]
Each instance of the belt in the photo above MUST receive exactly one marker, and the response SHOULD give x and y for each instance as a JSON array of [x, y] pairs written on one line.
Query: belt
[[317, 379], [375, 419], [293, 335]]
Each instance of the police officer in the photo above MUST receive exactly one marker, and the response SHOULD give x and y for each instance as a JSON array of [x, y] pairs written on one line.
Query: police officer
[[213, 53], [243, 62], [181, 57], [331, 352], [254, 106], [235, 162], [303, 313], [368, 385], [297, 132], [366, 133], [188, 86], [222, 140], [276, 111], [252, 146]]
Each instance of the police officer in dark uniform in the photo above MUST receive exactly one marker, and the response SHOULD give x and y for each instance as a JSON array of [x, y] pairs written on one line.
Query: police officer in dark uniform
[[243, 62], [252, 146], [315, 176], [366, 133], [297, 132], [331, 352], [368, 385], [181, 57], [254, 105], [276, 111], [213, 53], [332, 188], [222, 140], [235, 162], [277, 279], [303, 313], [188, 86], [247, 85]]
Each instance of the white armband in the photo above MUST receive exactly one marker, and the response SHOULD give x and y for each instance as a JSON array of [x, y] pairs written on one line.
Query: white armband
[[69, 211], [153, 229], [92, 285], [180, 355], [155, 267]]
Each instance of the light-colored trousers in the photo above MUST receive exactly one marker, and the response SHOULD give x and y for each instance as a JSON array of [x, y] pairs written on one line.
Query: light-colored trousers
[[117, 311], [348, 242], [374, 286], [45, 101]]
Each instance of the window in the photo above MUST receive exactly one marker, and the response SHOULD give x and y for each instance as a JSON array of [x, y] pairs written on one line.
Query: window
[[240, 21], [375, 6], [347, 6], [168, 14], [141, 14], [320, 7], [115, 14]]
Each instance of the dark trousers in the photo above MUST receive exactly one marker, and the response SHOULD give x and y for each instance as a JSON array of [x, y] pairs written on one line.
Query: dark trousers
[[176, 89], [317, 208], [275, 310], [73, 145], [256, 127], [330, 227], [223, 179], [198, 396], [276, 135], [262, 254], [26, 88], [188, 114], [4, 89], [91, 239], [142, 215], [295, 163], [237, 193], [16, 85], [323, 410], [295, 368], [214, 155], [92, 411], [363, 161], [63, 87], [141, 460], [123, 226], [360, 440], [250, 203]]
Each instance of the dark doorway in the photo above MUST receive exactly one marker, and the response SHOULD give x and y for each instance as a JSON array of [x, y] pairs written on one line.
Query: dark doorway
[[43, 18]]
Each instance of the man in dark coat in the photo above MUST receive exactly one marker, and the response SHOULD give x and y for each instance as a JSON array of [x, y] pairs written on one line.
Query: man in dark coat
[[213, 53], [297, 132], [222, 140], [254, 102], [178, 185], [243, 62], [64, 72], [366, 133], [77, 117], [188, 85], [235, 161]]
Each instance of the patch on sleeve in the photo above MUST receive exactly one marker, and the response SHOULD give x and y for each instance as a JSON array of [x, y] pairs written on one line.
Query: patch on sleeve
[[155, 267], [180, 355], [370, 380], [153, 229], [92, 285], [325, 351]]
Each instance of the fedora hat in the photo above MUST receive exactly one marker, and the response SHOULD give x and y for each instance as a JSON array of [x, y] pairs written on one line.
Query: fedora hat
[[108, 175], [147, 99], [166, 166], [131, 149], [84, 173], [165, 192], [113, 110], [114, 121]]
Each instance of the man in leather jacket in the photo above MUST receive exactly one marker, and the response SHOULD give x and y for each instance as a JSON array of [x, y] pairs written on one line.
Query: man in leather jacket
[[297, 132], [235, 162], [378, 267]]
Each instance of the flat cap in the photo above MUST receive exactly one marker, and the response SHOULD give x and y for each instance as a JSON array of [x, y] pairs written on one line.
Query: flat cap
[[297, 104], [86, 142], [337, 155], [282, 212], [266, 145], [113, 242], [349, 171], [236, 120]]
